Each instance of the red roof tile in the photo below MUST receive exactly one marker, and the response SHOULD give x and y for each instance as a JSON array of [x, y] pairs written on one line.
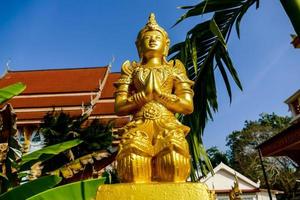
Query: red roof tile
[[57, 80], [38, 102], [64, 89], [109, 88], [40, 115], [104, 109]]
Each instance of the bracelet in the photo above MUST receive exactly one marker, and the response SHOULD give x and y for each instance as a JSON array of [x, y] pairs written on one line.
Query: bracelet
[[139, 98], [168, 98]]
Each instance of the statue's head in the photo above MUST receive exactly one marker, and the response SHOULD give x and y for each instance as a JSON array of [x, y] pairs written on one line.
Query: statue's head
[[152, 39]]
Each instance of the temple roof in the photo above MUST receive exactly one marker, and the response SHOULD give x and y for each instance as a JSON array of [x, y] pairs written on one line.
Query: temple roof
[[285, 143], [57, 80], [73, 91]]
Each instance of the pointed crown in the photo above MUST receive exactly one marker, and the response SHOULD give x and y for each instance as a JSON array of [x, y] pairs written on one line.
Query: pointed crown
[[152, 25]]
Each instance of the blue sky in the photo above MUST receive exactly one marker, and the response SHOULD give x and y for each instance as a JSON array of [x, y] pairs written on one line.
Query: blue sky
[[37, 34]]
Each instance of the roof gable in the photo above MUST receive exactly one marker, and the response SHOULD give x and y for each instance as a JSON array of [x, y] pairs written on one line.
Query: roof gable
[[223, 179]]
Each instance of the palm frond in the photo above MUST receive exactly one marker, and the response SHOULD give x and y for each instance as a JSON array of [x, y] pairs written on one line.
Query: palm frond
[[202, 52]]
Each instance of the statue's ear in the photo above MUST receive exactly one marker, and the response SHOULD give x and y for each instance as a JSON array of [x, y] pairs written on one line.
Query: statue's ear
[[166, 50], [138, 47]]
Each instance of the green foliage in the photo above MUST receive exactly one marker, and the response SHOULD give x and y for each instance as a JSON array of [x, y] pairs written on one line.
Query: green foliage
[[216, 156], [7, 131], [203, 51], [10, 91], [46, 153], [72, 135], [96, 136], [31, 188], [60, 127], [243, 155], [200, 159], [292, 9], [111, 176], [80, 190]]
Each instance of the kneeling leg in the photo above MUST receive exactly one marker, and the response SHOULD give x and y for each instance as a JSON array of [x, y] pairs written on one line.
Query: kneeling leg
[[172, 160]]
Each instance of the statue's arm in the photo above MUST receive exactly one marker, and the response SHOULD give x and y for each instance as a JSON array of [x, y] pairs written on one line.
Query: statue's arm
[[182, 99], [125, 103]]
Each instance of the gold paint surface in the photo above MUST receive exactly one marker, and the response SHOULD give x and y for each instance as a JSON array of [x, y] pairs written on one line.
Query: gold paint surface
[[153, 147], [153, 191]]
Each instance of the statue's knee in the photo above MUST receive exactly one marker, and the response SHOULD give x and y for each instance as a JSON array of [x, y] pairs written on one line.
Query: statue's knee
[[172, 160], [133, 167], [134, 158], [171, 166]]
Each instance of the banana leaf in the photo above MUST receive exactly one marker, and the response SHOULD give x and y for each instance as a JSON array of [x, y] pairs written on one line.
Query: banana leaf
[[31, 188], [10, 91], [46, 153], [82, 190]]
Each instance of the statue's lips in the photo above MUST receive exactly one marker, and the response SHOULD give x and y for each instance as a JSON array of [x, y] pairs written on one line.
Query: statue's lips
[[152, 45]]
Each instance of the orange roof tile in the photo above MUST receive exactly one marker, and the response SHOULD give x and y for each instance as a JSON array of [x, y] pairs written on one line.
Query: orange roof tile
[[104, 109], [56, 80], [40, 115], [109, 89], [64, 89], [38, 102]]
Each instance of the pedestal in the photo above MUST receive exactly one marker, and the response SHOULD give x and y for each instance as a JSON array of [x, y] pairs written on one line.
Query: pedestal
[[153, 191]]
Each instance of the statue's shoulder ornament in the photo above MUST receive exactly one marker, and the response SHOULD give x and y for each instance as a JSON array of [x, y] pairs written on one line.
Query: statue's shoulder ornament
[[126, 73], [126, 68], [179, 72]]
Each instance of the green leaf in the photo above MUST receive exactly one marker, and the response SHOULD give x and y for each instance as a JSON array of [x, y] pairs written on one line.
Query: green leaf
[[46, 153], [224, 75], [3, 176], [292, 9], [208, 37], [241, 14], [82, 190], [31, 188], [194, 55], [216, 31], [10, 91], [208, 6], [227, 60]]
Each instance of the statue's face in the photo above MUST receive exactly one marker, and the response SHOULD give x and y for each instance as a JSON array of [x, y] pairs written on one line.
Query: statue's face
[[153, 43]]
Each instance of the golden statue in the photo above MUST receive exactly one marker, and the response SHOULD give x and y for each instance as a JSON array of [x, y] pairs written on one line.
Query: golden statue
[[153, 147], [235, 193]]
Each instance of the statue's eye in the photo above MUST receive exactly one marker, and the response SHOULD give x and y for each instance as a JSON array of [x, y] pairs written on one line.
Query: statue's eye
[[147, 37], [158, 37]]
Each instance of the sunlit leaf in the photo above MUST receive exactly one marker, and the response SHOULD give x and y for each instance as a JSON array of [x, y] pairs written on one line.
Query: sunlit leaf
[[215, 29], [76, 191], [46, 153], [10, 91], [31, 188]]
